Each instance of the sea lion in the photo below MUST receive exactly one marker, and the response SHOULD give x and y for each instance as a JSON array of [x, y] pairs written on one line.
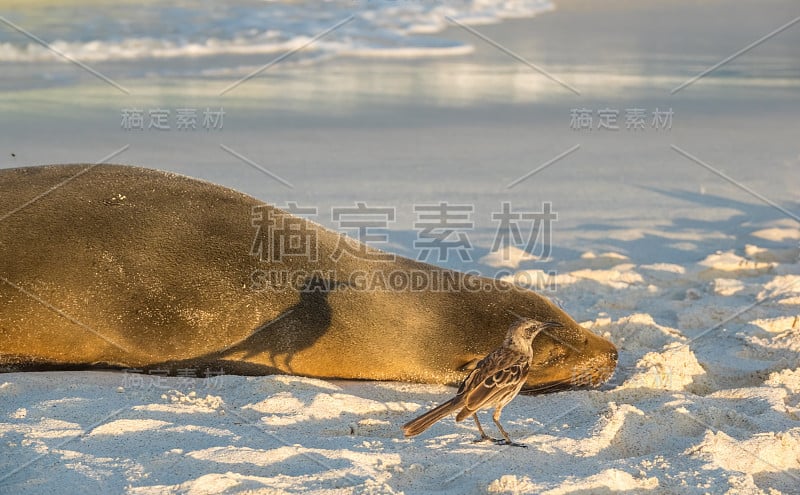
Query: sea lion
[[116, 266]]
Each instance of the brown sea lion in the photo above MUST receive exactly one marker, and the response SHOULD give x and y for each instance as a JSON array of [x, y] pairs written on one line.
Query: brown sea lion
[[115, 266]]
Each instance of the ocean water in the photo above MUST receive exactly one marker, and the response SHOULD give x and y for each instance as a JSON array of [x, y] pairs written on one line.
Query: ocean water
[[206, 40], [230, 32]]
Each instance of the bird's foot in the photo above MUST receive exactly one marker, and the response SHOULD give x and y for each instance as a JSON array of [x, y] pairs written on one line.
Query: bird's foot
[[510, 443], [487, 438]]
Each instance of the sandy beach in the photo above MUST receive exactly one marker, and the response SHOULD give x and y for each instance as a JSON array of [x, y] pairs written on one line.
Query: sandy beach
[[679, 243]]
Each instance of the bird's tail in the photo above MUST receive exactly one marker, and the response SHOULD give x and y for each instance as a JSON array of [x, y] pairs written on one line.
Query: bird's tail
[[422, 423]]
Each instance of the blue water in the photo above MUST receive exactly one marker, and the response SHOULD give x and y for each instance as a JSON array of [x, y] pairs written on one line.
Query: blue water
[[126, 31]]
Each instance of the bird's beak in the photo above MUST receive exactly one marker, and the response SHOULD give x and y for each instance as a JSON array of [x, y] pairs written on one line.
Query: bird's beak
[[547, 325]]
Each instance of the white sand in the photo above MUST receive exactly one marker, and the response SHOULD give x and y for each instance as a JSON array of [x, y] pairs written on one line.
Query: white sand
[[710, 407]]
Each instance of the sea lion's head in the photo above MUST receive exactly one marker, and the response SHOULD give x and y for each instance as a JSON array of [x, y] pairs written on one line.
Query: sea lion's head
[[565, 355], [569, 356]]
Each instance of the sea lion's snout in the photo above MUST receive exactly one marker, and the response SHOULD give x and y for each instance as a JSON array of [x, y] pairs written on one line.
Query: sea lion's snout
[[604, 356], [570, 356]]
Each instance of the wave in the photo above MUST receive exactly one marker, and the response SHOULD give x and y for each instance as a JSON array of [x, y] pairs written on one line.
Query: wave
[[186, 29]]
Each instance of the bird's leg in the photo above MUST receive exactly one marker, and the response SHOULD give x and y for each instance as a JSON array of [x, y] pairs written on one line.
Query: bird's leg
[[484, 436], [496, 418]]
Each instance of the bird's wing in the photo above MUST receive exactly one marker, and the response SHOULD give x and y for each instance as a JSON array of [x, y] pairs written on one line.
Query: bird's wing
[[497, 374]]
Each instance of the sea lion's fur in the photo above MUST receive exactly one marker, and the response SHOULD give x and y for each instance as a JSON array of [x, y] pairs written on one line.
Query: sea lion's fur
[[125, 267]]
